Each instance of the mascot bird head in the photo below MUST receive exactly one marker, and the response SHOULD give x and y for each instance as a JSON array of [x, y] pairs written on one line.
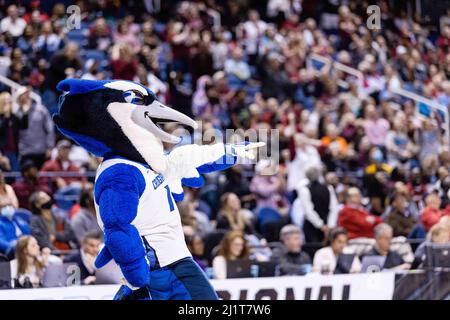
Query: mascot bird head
[[116, 117]]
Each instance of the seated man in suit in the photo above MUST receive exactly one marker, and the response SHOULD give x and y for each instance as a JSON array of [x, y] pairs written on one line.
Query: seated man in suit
[[85, 257], [383, 237], [290, 257]]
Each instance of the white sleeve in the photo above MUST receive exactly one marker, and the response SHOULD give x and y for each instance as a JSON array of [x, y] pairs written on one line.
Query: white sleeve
[[356, 265], [183, 162], [334, 209], [297, 213], [310, 214], [219, 265], [320, 258]]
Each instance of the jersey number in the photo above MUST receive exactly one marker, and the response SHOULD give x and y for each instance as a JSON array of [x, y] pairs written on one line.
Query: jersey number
[[169, 198]]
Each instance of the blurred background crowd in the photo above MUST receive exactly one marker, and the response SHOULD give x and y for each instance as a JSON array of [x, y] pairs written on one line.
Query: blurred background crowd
[[362, 170]]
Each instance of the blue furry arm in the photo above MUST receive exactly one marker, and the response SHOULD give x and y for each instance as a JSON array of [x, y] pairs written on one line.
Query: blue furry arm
[[117, 193]]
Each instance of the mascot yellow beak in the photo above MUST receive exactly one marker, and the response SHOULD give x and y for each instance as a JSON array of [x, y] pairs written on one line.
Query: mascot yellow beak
[[150, 116]]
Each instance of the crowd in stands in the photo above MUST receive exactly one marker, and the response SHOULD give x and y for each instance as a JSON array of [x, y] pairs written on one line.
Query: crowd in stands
[[362, 171]]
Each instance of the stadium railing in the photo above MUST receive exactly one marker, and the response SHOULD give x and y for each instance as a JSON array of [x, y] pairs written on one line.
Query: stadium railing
[[418, 99], [15, 86]]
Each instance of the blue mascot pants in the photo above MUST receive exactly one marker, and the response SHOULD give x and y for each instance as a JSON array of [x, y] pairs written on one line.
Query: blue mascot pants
[[181, 280]]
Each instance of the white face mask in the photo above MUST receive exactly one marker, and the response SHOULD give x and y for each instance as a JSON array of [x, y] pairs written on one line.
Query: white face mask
[[8, 212]]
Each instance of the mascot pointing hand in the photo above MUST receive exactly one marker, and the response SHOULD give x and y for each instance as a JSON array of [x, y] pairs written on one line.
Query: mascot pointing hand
[[137, 184]]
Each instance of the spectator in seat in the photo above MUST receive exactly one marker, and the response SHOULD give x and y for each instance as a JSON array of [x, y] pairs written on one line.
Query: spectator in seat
[[50, 231], [232, 217], [48, 43], [63, 63], [400, 217], [376, 178], [36, 141], [11, 228], [355, 219], [239, 185], [290, 258], [85, 220], [376, 127], [252, 31], [432, 213], [100, 37], [236, 66], [440, 234], [336, 257], [334, 147], [269, 186], [61, 164], [233, 246], [197, 248], [124, 64], [193, 221], [29, 184], [9, 130], [127, 32], [13, 24], [383, 238], [319, 205], [7, 194], [85, 257], [30, 263], [305, 155], [275, 81]]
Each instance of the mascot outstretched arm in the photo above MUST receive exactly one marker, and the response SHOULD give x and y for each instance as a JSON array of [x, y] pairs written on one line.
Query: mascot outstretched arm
[[137, 184]]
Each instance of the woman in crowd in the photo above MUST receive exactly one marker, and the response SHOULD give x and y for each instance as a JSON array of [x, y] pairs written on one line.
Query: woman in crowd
[[197, 248], [233, 246], [85, 219], [232, 217], [336, 258], [438, 234], [194, 221], [7, 194], [269, 186], [400, 217], [50, 231], [10, 125], [30, 263]]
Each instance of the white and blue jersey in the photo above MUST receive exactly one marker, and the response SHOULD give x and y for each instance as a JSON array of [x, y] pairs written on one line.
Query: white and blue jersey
[[157, 218], [143, 234]]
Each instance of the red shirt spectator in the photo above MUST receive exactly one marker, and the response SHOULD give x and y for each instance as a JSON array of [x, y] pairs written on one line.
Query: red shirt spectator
[[355, 219], [431, 214], [61, 164], [29, 185], [125, 65]]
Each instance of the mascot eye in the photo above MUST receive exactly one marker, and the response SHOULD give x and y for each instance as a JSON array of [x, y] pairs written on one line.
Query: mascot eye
[[134, 97]]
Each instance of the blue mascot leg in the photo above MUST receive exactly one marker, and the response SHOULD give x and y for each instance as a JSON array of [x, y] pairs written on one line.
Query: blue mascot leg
[[125, 293], [182, 280], [164, 284], [191, 282]]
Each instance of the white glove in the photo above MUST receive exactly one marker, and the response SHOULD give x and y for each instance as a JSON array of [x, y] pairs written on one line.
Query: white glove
[[243, 150]]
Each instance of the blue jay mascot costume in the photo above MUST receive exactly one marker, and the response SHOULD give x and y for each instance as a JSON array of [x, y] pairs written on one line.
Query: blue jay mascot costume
[[137, 183]]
